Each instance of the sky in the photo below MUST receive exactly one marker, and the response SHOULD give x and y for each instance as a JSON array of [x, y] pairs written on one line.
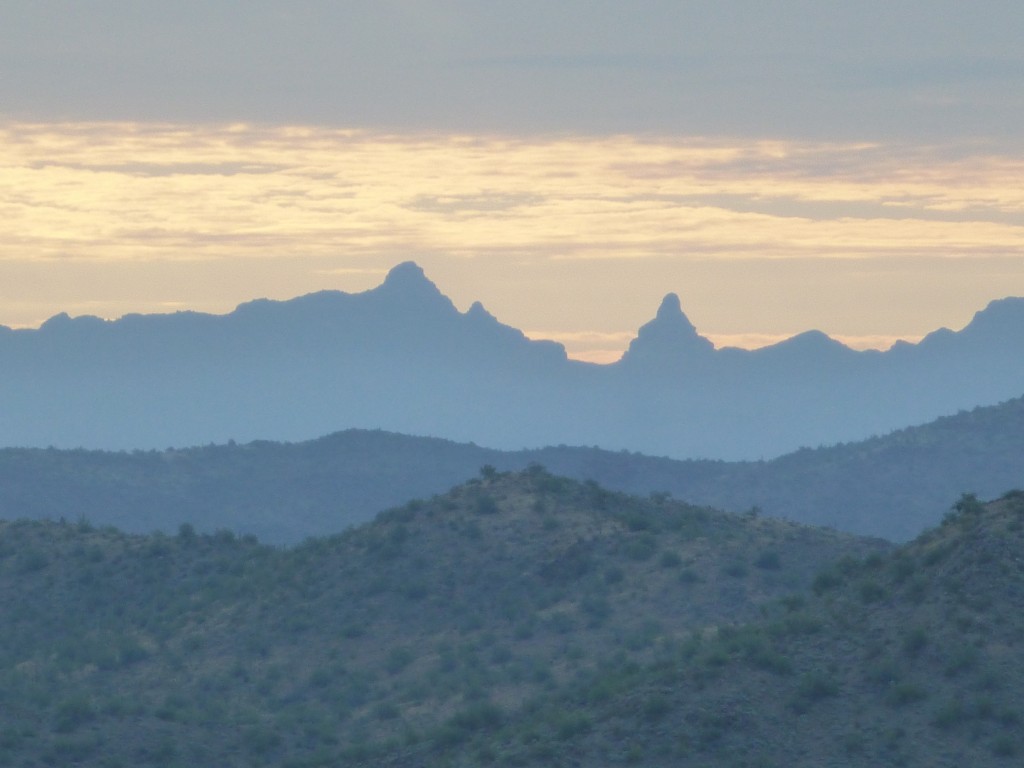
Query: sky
[[853, 167]]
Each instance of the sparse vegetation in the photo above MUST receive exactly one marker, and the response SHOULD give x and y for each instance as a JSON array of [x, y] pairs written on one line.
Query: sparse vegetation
[[443, 635], [425, 630]]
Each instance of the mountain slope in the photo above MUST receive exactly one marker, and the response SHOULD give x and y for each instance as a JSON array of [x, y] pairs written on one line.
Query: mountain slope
[[911, 658], [438, 618], [401, 357]]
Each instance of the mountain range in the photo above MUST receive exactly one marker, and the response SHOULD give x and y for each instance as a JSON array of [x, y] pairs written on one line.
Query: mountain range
[[892, 486], [402, 357]]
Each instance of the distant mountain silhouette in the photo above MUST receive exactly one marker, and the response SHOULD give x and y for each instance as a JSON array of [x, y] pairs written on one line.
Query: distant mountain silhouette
[[893, 486], [402, 357]]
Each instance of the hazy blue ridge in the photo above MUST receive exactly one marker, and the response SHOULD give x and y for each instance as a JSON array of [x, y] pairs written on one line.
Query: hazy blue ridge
[[403, 358], [892, 486]]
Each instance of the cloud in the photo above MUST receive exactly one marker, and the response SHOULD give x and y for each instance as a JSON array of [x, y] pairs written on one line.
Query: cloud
[[350, 204], [920, 70], [142, 191], [94, 192]]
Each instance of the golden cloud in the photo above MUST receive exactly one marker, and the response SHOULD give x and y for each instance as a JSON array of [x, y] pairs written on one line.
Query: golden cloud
[[138, 193]]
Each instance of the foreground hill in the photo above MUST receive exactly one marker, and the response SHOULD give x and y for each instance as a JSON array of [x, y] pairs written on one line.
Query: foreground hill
[[893, 486], [422, 629], [912, 658], [401, 357]]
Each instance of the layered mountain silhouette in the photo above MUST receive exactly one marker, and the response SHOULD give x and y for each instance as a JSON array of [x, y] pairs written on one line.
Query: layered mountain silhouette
[[893, 486], [402, 357]]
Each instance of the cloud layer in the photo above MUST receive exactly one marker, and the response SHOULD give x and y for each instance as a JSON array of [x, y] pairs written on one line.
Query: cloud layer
[[342, 206]]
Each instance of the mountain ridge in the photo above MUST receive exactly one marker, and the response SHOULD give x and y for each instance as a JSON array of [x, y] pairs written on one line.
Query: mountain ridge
[[892, 486], [402, 357]]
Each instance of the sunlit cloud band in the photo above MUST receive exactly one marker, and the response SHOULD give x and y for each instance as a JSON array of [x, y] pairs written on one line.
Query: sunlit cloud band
[[352, 203]]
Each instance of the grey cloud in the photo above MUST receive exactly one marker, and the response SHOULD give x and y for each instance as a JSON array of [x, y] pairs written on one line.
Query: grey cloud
[[792, 68]]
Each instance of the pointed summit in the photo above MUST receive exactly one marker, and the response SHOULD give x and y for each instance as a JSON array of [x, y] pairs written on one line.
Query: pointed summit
[[670, 309], [477, 310], [407, 285], [669, 338], [408, 276]]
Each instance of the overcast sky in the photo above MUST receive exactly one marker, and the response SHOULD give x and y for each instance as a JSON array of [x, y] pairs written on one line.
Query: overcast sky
[[862, 70], [835, 123]]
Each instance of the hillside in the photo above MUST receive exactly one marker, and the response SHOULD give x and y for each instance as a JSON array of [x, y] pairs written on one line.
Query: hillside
[[401, 357], [911, 658], [439, 619], [893, 486]]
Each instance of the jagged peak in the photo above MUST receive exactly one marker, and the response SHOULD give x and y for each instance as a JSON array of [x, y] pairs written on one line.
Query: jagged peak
[[479, 311], [408, 282], [670, 308], [406, 274], [669, 335]]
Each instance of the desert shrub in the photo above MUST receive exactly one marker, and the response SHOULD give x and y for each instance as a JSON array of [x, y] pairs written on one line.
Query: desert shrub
[[597, 610], [569, 724], [641, 548], [813, 688], [485, 505], [72, 713], [736, 570], [669, 559], [885, 671], [613, 575], [1004, 746], [961, 659], [905, 693], [464, 724], [965, 512], [31, 560], [770, 560], [689, 576], [949, 715], [398, 659], [903, 568], [656, 707], [871, 591], [914, 641], [826, 580]]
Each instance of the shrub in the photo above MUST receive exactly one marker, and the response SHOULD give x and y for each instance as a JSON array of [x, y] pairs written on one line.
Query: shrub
[[669, 560], [735, 570], [1004, 746], [689, 576], [813, 687], [915, 641], [949, 715], [613, 575], [72, 713], [905, 693], [769, 561], [462, 725], [398, 659], [871, 592], [825, 581], [656, 707], [641, 547], [485, 505]]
